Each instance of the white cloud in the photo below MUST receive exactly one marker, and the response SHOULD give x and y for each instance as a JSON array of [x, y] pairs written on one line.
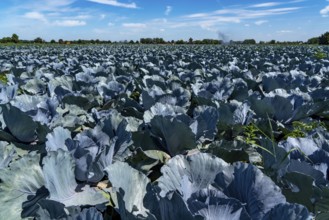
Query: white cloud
[[110, 24], [77, 17], [273, 4], [266, 4], [284, 31], [102, 16], [260, 22], [134, 25], [69, 23], [35, 16], [243, 13], [325, 11], [115, 3], [48, 5], [168, 10]]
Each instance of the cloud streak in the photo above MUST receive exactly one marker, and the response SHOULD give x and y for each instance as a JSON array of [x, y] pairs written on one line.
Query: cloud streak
[[260, 22], [69, 23], [134, 25], [115, 3], [265, 5], [34, 15]]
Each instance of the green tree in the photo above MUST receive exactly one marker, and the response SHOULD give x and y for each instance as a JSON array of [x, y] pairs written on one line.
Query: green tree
[[313, 40], [190, 40], [249, 41], [15, 38], [6, 40], [52, 41], [180, 42], [61, 41], [38, 40], [324, 39], [272, 42]]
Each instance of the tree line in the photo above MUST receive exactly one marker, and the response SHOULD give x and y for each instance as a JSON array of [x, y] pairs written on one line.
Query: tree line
[[321, 40]]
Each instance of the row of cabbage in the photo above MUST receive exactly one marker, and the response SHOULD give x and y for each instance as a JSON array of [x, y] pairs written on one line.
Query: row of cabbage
[[164, 132]]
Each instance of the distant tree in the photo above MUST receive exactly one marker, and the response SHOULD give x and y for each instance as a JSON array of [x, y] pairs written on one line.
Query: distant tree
[[6, 40], [61, 41], [180, 42], [131, 42], [190, 40], [136, 42], [52, 41], [38, 40], [158, 40], [97, 41], [261, 42], [272, 42], [15, 38], [146, 41], [324, 39], [249, 41]]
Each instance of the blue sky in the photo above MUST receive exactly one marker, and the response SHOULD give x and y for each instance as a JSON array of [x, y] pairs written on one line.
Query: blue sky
[[170, 19]]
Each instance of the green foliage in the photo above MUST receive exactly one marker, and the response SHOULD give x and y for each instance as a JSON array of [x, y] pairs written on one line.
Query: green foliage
[[15, 38], [152, 41], [252, 134], [324, 39], [272, 42], [300, 129], [180, 42], [135, 95], [249, 41], [38, 40], [3, 77], [320, 55], [313, 40]]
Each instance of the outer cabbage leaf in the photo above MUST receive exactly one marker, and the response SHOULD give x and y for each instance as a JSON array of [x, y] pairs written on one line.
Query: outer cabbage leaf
[[169, 132], [7, 153], [56, 139], [189, 174], [61, 183], [131, 188], [176, 208], [86, 214], [251, 187], [22, 178], [205, 125], [100, 146], [288, 211], [19, 124], [213, 205]]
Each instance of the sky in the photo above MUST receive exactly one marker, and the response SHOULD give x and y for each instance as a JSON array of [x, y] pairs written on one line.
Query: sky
[[116, 20]]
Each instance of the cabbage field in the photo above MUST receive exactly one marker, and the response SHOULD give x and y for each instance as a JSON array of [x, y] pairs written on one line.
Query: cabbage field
[[164, 132]]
